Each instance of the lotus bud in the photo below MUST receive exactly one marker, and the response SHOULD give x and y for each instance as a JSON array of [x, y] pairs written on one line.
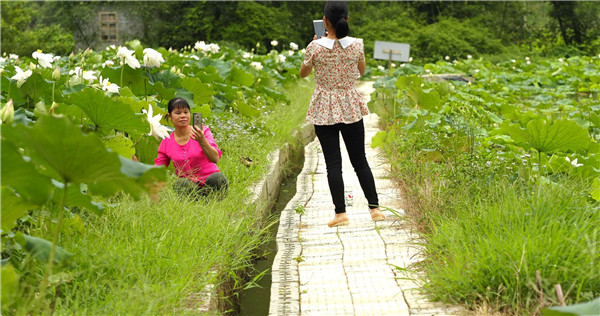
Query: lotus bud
[[72, 56], [86, 51], [56, 74], [32, 65], [7, 114]]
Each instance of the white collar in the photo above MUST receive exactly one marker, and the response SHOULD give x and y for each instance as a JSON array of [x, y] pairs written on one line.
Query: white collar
[[328, 43]]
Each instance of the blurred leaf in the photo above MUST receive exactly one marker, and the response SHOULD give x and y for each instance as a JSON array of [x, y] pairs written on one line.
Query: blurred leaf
[[120, 144], [109, 113], [562, 135], [205, 110], [22, 176], [59, 278], [146, 149], [13, 208], [245, 108], [203, 93], [240, 76], [76, 197], [589, 308], [40, 248], [595, 190], [379, 139], [10, 286]]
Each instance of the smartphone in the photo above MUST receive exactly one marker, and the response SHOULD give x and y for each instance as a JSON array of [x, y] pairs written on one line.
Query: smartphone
[[198, 120], [319, 26]]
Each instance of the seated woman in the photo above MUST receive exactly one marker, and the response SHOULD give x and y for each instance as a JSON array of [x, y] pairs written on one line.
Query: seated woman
[[193, 152]]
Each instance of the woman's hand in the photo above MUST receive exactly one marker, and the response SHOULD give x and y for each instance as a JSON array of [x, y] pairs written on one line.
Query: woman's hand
[[198, 135], [211, 153]]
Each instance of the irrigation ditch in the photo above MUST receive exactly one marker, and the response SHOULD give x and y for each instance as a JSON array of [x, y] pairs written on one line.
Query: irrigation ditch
[[270, 196]]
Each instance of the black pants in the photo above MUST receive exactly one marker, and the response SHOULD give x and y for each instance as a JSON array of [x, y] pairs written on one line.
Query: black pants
[[216, 182], [354, 138]]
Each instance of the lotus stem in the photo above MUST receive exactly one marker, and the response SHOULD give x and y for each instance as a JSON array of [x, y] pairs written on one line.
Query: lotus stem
[[44, 283]]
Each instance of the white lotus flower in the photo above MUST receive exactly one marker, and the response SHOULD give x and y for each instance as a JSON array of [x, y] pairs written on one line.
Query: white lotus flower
[[290, 52], [13, 56], [21, 76], [156, 129], [86, 75], [393, 65], [293, 46], [257, 65], [246, 55], [410, 59], [213, 48], [45, 60], [574, 162], [195, 57], [2, 59], [108, 63], [380, 67], [201, 46], [526, 58], [55, 58], [274, 43], [303, 50], [152, 58], [108, 86], [469, 56], [447, 57], [127, 55]]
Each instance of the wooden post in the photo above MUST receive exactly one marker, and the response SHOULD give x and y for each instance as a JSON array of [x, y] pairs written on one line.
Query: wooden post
[[390, 52]]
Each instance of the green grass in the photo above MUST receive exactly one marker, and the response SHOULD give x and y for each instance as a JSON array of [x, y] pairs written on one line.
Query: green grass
[[146, 257], [488, 231]]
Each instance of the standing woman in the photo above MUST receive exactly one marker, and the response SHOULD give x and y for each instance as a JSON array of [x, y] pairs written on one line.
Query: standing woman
[[193, 152], [338, 107]]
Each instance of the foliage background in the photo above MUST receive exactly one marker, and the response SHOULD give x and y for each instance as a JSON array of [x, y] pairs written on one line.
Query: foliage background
[[434, 29]]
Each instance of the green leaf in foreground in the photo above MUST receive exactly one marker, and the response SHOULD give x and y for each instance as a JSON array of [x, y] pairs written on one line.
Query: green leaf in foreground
[[80, 158], [595, 191], [13, 208], [561, 135], [107, 112], [589, 308], [22, 175], [40, 249], [10, 284], [379, 139]]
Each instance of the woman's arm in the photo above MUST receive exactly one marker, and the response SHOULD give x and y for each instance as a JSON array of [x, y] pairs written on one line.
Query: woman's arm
[[361, 67], [211, 153], [305, 70]]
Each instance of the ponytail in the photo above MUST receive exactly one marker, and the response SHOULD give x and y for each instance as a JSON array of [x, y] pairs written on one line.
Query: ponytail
[[341, 28], [337, 11]]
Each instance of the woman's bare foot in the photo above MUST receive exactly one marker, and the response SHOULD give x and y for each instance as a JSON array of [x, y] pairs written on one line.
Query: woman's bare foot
[[340, 219], [376, 215]]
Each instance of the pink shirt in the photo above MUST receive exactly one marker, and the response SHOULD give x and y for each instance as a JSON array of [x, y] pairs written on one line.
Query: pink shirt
[[188, 160], [335, 99]]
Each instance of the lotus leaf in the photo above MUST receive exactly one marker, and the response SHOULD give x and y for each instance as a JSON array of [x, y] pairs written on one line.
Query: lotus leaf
[[109, 113], [561, 135]]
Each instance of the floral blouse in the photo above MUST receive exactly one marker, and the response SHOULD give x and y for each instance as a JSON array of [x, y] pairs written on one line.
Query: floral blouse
[[335, 99]]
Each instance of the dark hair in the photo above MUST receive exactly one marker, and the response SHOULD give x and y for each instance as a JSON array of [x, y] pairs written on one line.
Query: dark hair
[[177, 103], [337, 13]]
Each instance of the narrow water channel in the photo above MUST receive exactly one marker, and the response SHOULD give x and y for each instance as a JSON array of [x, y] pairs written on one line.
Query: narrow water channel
[[255, 301]]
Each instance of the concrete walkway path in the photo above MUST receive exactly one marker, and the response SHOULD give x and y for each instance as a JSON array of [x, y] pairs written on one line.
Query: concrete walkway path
[[347, 270]]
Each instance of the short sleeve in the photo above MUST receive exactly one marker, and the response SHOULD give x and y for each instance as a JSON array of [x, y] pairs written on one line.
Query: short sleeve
[[361, 51], [163, 158], [309, 54]]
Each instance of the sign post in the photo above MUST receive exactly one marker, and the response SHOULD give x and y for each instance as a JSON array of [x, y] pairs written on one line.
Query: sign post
[[391, 51]]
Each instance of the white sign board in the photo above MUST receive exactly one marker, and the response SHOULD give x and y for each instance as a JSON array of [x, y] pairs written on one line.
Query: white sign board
[[391, 51]]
